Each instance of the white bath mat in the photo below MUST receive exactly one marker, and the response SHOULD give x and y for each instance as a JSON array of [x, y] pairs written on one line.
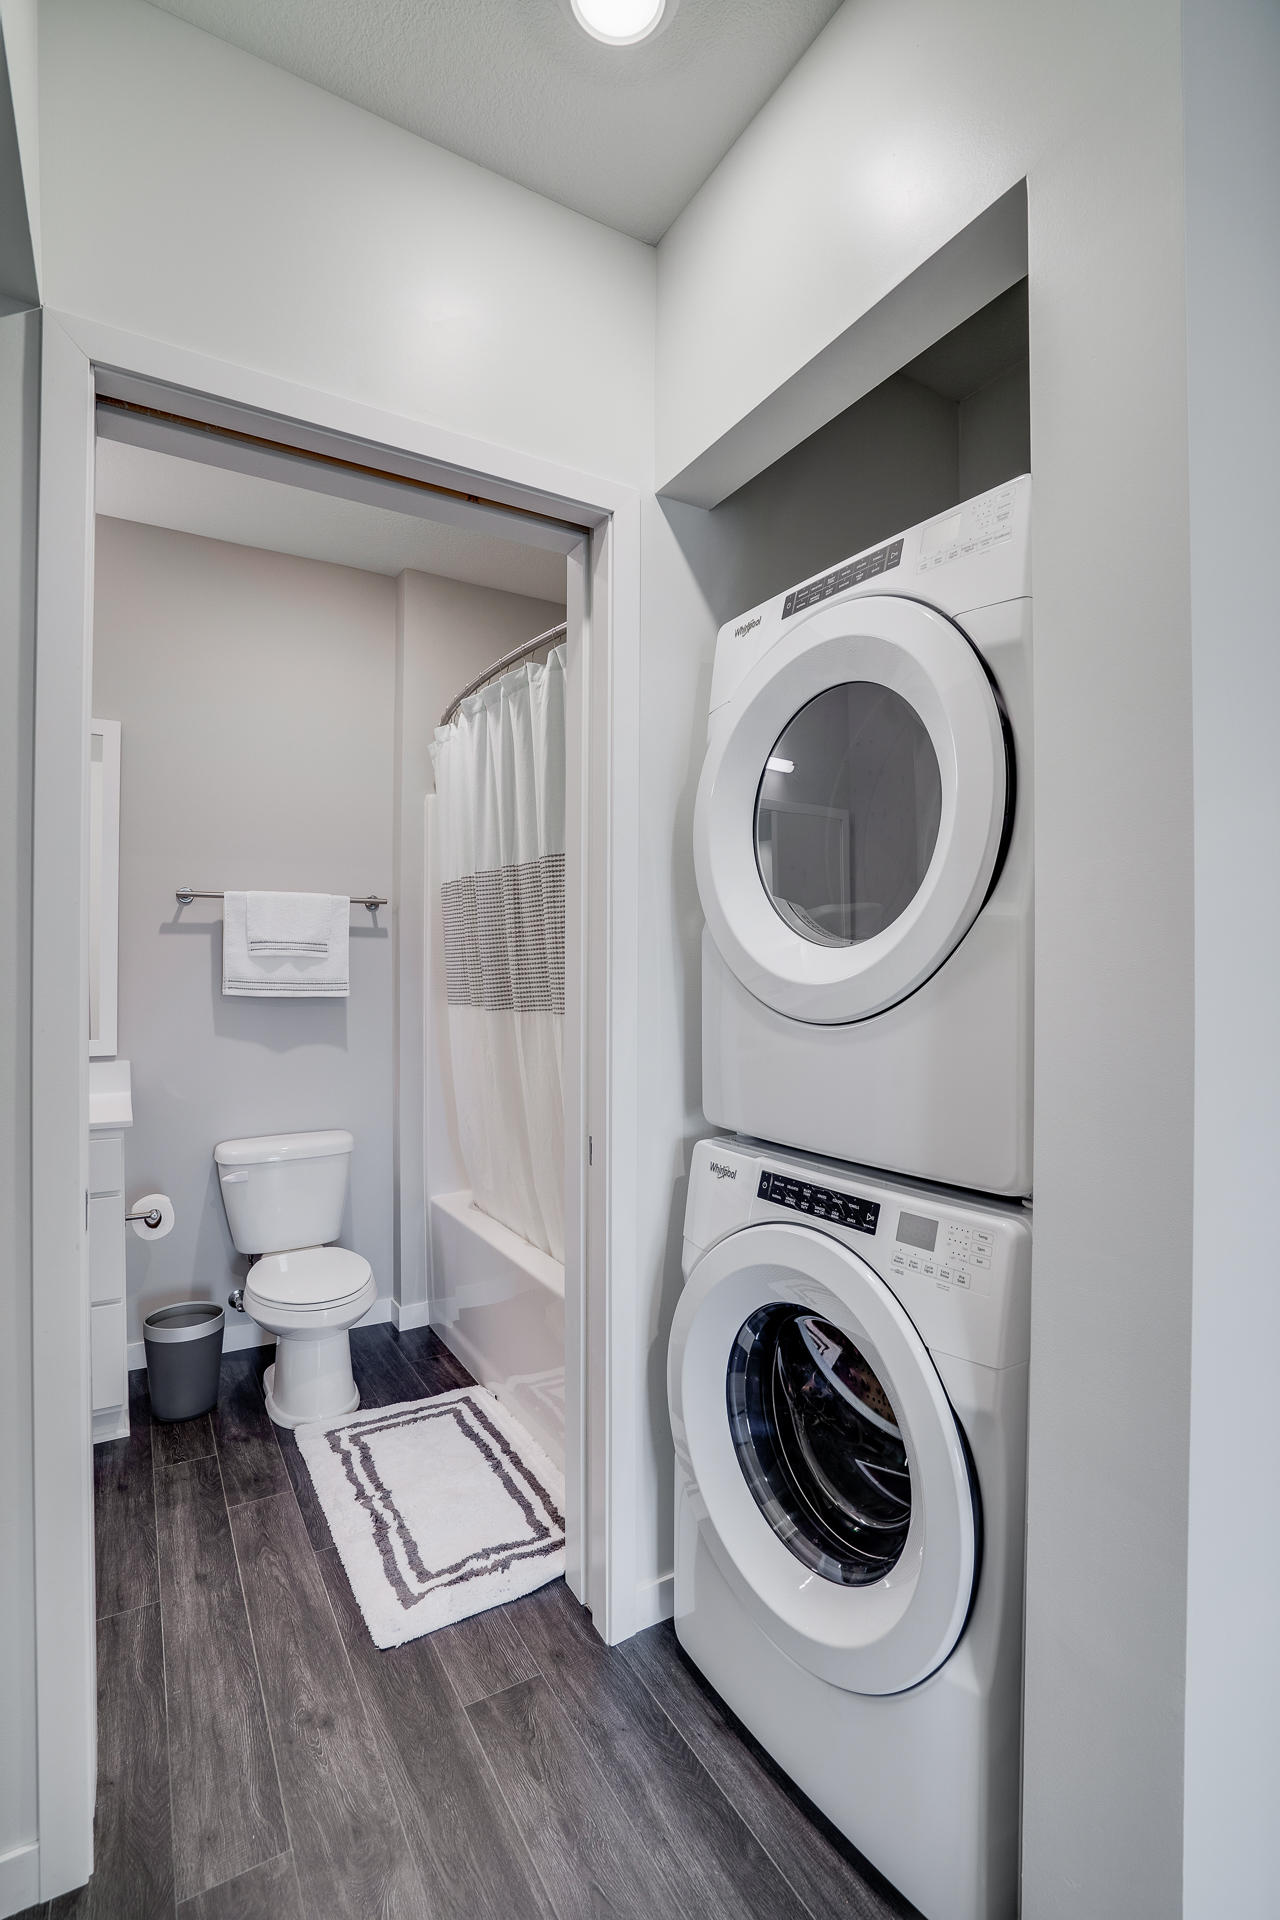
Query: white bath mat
[[439, 1508]]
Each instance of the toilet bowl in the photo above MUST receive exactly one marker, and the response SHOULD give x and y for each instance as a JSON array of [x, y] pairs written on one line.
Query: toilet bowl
[[284, 1196], [310, 1299]]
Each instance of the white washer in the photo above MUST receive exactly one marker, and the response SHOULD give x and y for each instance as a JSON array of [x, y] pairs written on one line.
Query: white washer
[[848, 1387], [862, 841]]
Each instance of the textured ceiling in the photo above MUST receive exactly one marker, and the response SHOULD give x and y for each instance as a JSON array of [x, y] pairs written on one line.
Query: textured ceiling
[[162, 490], [624, 134]]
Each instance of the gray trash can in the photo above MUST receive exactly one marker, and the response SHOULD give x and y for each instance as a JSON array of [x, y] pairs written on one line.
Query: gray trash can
[[184, 1353]]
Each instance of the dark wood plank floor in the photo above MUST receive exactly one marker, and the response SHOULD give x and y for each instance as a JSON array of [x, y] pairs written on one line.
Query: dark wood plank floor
[[260, 1759]]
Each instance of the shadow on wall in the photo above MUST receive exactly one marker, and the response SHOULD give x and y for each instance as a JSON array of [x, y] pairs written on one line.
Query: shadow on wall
[[311, 1023], [952, 423]]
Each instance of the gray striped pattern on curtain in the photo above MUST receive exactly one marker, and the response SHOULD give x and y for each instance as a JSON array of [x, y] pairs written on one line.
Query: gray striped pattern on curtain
[[504, 937]]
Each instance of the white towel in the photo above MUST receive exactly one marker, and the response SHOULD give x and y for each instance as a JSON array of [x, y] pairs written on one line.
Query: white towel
[[288, 922], [284, 976]]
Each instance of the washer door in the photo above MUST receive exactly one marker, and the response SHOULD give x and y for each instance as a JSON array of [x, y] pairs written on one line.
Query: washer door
[[834, 1481], [852, 809]]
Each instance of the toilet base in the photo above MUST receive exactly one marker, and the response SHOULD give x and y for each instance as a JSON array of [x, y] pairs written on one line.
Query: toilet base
[[310, 1380]]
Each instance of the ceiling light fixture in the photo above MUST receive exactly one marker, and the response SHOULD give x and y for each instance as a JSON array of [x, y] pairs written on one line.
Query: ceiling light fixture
[[620, 23]]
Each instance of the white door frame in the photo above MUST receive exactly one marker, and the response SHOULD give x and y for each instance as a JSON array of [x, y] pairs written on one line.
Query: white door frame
[[602, 1412]]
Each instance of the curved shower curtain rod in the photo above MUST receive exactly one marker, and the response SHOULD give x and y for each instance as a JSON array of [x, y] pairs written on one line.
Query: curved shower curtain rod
[[499, 667]]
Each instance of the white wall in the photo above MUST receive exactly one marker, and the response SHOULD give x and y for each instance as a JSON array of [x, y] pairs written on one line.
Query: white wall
[[256, 697], [446, 634], [197, 195], [1231, 79], [19, 405], [896, 129], [901, 124]]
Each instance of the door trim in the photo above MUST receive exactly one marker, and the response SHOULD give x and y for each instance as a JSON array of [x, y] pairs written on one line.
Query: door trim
[[601, 1087]]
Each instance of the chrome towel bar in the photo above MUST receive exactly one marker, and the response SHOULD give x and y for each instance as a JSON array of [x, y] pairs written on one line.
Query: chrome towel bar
[[185, 895]]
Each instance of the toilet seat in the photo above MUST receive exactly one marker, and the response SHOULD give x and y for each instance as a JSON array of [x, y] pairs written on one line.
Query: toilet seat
[[309, 1277]]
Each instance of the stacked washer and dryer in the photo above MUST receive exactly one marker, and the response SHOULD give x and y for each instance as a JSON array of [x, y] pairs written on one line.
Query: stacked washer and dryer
[[848, 1362]]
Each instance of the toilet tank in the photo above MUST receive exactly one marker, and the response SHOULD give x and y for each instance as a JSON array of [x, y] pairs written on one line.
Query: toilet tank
[[282, 1191]]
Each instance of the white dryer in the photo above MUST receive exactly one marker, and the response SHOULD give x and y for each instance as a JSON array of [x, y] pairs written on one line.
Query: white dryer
[[862, 842], [848, 1387]]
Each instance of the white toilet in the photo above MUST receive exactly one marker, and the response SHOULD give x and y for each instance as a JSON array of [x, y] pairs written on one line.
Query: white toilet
[[284, 1194]]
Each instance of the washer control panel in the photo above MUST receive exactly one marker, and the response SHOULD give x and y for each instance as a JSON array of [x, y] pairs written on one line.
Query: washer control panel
[[957, 1255], [821, 1203]]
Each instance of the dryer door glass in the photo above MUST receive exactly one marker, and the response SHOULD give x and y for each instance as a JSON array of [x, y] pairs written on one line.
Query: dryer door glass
[[819, 1444], [847, 814]]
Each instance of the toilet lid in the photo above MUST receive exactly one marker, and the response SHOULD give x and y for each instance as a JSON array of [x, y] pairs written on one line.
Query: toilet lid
[[310, 1277]]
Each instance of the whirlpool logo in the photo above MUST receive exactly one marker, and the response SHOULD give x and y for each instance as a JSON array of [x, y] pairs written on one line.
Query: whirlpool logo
[[723, 1172], [746, 626]]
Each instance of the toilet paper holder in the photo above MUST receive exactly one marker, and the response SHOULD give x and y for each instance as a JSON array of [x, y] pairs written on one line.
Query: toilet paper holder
[[151, 1216]]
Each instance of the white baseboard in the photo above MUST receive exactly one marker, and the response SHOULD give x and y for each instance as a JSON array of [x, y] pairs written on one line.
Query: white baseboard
[[409, 1314], [240, 1333], [19, 1878], [655, 1601], [110, 1423]]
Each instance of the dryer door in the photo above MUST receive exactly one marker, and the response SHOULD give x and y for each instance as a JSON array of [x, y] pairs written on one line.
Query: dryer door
[[852, 809], [833, 1481]]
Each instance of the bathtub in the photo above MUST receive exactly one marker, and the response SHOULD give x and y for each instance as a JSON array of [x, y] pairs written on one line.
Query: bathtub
[[498, 1303]]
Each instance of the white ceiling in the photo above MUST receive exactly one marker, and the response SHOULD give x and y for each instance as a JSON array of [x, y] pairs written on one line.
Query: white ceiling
[[625, 134], [164, 490]]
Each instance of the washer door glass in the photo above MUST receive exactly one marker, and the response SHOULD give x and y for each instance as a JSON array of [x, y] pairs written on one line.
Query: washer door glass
[[826, 1471], [819, 1444], [847, 814]]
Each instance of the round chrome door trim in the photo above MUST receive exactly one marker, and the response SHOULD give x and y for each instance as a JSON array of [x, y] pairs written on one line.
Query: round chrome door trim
[[919, 654], [879, 1638]]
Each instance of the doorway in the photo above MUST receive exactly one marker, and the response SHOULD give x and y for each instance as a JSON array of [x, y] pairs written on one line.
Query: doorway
[[244, 423]]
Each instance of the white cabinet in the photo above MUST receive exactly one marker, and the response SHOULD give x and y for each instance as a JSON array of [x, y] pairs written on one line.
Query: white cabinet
[[106, 1248], [108, 1355], [108, 1371]]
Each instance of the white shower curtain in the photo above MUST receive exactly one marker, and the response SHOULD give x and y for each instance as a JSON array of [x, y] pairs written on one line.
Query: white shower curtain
[[500, 810]]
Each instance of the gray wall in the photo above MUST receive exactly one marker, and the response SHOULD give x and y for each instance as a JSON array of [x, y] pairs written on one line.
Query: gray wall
[[446, 634], [256, 699], [993, 433], [19, 404], [19, 107], [1231, 78], [19, 198]]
